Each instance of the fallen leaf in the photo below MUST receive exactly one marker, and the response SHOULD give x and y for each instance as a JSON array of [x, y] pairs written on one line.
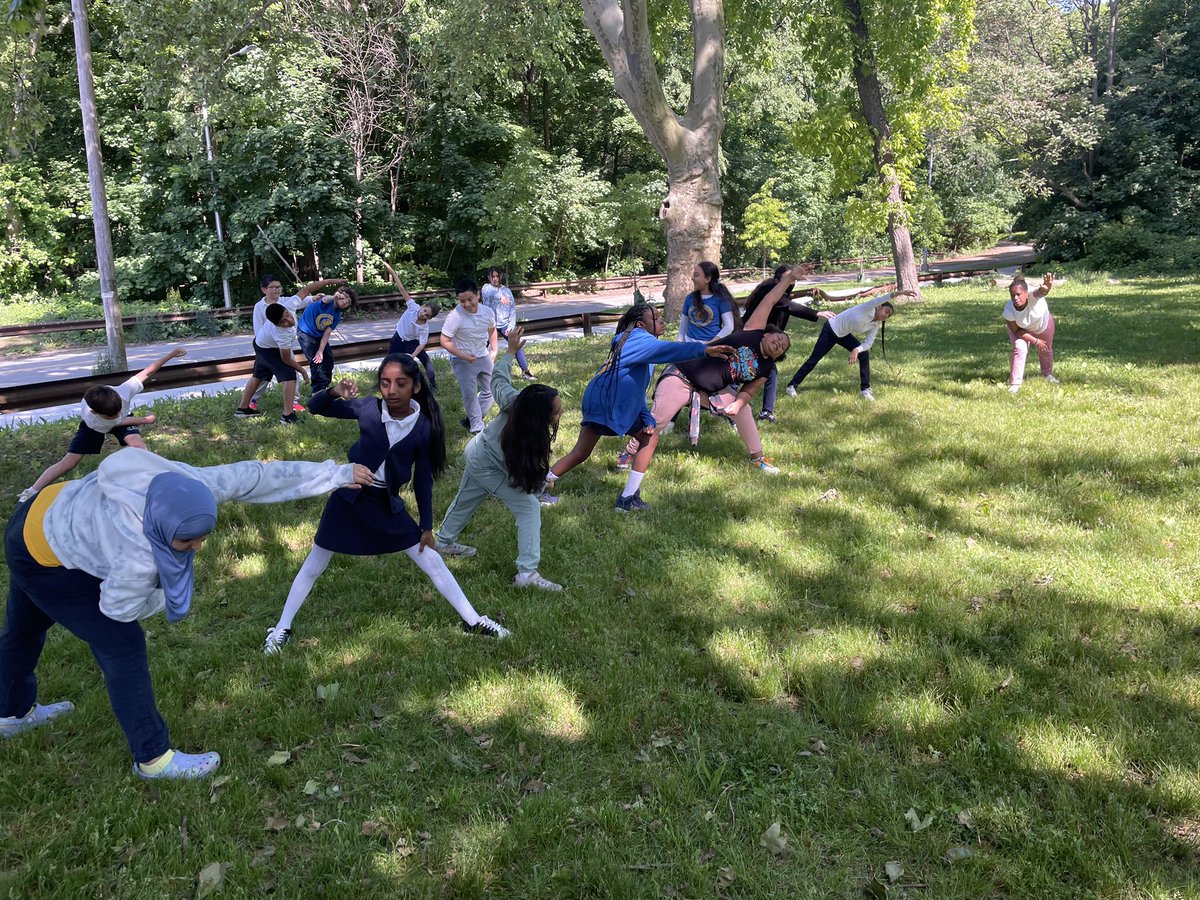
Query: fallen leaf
[[484, 741], [976, 604], [819, 746], [774, 840], [279, 758], [276, 822], [814, 631], [534, 786], [894, 870], [351, 758], [377, 711], [370, 826], [876, 831], [831, 494], [328, 691], [310, 642], [971, 543], [210, 878], [311, 787], [965, 819], [1004, 685], [727, 875], [957, 854], [708, 855], [414, 766], [915, 822], [521, 749], [1129, 650]]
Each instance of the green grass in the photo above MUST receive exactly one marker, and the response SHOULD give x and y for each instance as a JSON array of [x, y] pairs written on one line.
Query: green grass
[[995, 622]]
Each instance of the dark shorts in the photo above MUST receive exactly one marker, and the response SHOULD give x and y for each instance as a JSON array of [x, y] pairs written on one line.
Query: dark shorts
[[88, 441], [643, 422], [268, 361], [366, 527]]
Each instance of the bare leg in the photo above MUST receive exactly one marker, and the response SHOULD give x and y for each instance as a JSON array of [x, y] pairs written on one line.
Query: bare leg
[[251, 387], [583, 448]]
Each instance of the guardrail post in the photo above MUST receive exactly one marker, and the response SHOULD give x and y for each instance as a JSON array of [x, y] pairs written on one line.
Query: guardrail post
[[587, 324]]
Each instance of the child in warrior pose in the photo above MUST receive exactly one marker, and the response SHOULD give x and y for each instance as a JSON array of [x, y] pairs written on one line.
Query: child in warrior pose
[[400, 438], [412, 331], [469, 336], [98, 554], [614, 402], [867, 318], [508, 461], [315, 327], [497, 297], [784, 308], [105, 410], [273, 359], [1029, 323], [272, 292], [725, 385]]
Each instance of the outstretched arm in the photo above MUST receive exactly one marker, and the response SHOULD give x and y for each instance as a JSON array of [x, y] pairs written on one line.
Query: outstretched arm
[[1047, 284], [314, 286], [758, 318], [147, 373], [397, 282]]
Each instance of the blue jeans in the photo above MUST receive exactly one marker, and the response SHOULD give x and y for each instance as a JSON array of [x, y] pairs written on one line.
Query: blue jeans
[[826, 341], [40, 596], [770, 390], [399, 345], [320, 374]]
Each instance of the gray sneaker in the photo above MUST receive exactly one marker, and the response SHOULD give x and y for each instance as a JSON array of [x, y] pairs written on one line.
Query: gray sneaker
[[454, 548], [535, 579]]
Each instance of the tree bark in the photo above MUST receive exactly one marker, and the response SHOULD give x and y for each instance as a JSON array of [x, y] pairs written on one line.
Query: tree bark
[[687, 144], [1111, 68], [870, 95]]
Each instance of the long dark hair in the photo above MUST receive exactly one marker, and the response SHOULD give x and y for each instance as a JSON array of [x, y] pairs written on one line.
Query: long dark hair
[[428, 404], [527, 437], [701, 313], [759, 294]]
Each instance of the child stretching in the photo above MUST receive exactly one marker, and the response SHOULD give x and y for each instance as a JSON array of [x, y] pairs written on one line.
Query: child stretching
[[412, 331], [508, 460], [104, 410], [469, 336], [614, 402], [399, 439], [314, 328], [273, 358]]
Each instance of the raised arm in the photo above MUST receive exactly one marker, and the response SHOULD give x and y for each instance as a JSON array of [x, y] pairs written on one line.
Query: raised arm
[[1047, 284], [147, 373], [397, 282], [758, 318], [502, 387]]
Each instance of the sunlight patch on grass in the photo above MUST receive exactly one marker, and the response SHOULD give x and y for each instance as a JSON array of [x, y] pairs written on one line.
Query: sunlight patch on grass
[[536, 701], [1050, 746]]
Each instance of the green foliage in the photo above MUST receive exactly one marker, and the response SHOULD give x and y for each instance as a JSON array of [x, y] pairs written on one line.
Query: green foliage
[[765, 223]]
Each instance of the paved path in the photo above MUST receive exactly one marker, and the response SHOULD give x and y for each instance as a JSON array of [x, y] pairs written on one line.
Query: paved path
[[78, 363]]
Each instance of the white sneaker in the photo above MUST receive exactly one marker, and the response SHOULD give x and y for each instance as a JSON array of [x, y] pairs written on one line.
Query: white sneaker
[[276, 638], [1013, 388], [487, 628], [1052, 379], [454, 548], [764, 465], [866, 394], [535, 579], [791, 390]]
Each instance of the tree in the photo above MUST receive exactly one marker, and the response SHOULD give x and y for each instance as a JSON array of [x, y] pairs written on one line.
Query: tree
[[765, 223], [884, 80], [688, 144]]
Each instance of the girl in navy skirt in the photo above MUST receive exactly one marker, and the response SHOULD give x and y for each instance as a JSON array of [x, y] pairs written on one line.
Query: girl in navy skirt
[[400, 439]]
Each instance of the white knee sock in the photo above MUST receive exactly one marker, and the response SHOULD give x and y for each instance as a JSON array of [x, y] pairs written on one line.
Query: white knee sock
[[434, 566], [632, 485], [316, 563]]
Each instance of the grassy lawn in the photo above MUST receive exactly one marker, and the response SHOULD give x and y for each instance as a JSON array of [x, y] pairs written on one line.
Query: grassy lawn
[[960, 633]]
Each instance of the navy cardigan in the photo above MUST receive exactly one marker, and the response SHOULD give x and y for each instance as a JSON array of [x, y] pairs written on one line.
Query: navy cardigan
[[408, 459]]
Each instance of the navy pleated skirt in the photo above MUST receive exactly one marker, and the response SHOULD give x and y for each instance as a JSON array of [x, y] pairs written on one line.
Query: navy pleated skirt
[[366, 527]]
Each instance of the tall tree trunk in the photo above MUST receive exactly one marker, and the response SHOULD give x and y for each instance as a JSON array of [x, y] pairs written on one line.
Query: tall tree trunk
[[359, 266], [866, 79], [1111, 68], [688, 144]]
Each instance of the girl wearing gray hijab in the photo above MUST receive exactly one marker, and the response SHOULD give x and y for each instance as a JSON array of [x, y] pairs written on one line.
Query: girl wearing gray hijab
[[97, 554]]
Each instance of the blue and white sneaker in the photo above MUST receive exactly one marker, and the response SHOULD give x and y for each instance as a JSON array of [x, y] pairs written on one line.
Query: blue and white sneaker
[[11, 726], [548, 499], [633, 503]]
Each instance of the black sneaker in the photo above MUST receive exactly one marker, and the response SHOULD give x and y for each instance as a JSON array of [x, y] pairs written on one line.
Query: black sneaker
[[633, 503], [245, 412], [290, 419], [465, 423], [485, 627], [276, 638], [766, 416]]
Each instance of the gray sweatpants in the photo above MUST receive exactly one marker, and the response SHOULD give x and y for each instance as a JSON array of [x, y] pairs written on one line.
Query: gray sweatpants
[[475, 384]]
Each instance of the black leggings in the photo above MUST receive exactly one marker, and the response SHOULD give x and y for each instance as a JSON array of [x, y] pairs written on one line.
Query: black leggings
[[826, 341]]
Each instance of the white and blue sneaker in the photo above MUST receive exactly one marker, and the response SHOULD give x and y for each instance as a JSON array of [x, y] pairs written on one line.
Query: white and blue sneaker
[[182, 765]]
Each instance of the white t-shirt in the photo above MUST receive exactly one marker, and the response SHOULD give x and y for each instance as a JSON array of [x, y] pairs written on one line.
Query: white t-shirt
[[1034, 318], [859, 319], [470, 332], [408, 328], [260, 309], [93, 420], [268, 335]]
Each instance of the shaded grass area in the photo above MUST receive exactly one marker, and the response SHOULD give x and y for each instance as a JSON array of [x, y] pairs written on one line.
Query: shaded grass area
[[994, 622]]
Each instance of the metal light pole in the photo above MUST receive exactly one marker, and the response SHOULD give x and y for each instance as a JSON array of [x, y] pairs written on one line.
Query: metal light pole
[[91, 141]]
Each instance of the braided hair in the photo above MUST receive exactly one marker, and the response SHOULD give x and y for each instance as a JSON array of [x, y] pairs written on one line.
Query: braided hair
[[625, 327]]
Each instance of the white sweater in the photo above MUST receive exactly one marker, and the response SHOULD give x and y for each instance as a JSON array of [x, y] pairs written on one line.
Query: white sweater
[[95, 523], [859, 319]]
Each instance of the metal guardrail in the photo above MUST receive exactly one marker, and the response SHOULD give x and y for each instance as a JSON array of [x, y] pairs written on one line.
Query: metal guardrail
[[51, 393]]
